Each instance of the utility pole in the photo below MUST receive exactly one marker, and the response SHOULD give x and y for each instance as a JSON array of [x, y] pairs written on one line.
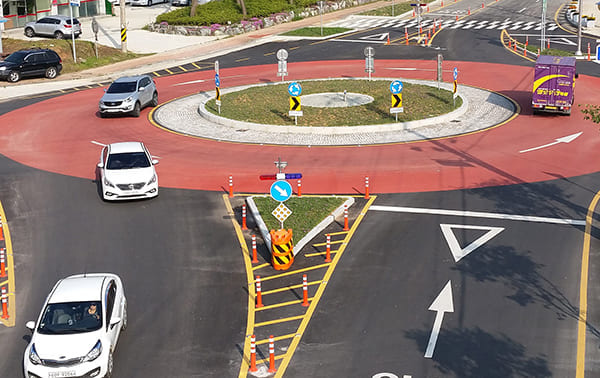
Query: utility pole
[[578, 52], [543, 36], [123, 26]]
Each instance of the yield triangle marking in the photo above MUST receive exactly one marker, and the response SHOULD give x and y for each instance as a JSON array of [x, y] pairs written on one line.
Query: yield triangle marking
[[456, 250], [379, 37]]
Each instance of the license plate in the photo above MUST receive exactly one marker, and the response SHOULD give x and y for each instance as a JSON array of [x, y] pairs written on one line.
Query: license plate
[[66, 373]]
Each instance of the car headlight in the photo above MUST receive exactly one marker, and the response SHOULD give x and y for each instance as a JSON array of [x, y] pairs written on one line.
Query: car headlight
[[2, 68], [108, 183], [152, 180], [33, 356], [129, 99], [94, 353]]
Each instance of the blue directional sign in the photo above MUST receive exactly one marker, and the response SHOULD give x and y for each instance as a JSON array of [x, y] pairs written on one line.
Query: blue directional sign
[[294, 89], [217, 80], [396, 87], [455, 73], [281, 191]]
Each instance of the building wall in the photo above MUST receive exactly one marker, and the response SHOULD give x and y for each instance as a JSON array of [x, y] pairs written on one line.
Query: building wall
[[20, 12]]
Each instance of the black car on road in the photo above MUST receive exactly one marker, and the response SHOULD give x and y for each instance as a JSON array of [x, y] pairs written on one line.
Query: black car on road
[[27, 63]]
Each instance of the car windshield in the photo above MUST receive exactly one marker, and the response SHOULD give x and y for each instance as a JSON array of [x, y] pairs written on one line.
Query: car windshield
[[122, 87], [16, 57], [128, 160], [71, 317]]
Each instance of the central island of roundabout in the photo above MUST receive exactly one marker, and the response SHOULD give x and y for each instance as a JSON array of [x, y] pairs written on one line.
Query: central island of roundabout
[[479, 109]]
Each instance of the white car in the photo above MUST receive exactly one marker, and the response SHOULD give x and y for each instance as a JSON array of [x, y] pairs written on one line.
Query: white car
[[78, 328], [127, 172], [148, 2]]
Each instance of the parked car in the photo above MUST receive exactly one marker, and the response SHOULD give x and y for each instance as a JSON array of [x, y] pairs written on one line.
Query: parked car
[[77, 330], [127, 172], [182, 3], [147, 2], [118, 2], [128, 95], [26, 63], [53, 26]]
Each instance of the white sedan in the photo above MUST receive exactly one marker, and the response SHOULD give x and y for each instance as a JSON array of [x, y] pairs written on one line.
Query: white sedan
[[127, 172], [76, 333]]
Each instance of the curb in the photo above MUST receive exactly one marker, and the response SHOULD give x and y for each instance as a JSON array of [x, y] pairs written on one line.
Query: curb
[[310, 235]]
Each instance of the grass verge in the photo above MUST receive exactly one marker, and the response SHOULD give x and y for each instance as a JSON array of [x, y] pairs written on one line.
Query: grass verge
[[315, 32], [270, 104], [85, 51], [398, 8], [307, 212]]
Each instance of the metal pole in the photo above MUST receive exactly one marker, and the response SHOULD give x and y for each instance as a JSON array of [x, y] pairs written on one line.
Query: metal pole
[[543, 31], [578, 52], [392, 8], [73, 34], [321, 12], [1, 27]]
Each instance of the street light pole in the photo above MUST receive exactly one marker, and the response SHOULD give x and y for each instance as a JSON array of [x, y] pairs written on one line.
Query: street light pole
[[578, 52], [123, 26], [321, 12], [543, 32]]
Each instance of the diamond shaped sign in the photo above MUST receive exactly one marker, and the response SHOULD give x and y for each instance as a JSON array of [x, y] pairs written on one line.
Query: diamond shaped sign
[[281, 212]]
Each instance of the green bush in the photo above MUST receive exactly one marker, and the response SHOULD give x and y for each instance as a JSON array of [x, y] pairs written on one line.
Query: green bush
[[262, 8]]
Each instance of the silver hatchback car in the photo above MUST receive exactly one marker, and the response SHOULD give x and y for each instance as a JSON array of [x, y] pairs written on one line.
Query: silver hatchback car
[[128, 95], [53, 26]]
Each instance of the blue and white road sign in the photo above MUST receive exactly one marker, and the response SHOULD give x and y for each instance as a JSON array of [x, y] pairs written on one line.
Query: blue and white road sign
[[294, 89], [217, 80], [455, 73], [281, 191], [396, 87]]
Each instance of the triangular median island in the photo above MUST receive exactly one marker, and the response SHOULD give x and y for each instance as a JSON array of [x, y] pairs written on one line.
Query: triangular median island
[[310, 215]]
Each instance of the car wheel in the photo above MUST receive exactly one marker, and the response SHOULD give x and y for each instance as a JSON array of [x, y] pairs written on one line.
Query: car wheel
[[149, 3], [109, 366], [14, 76], [58, 34], [154, 101], [51, 72], [136, 110], [29, 32]]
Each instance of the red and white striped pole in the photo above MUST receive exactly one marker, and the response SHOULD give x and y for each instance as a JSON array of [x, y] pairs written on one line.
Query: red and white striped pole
[[271, 355], [244, 225], [299, 188], [2, 262], [1, 230], [526, 41], [328, 250], [406, 34], [548, 46], [589, 56], [482, 5], [258, 293], [345, 218], [304, 291], [469, 11], [4, 304], [230, 186], [367, 187], [253, 353], [254, 257]]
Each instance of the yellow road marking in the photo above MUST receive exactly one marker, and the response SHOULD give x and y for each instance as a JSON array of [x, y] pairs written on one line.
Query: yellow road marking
[[338, 233], [289, 287], [243, 59], [282, 304], [156, 74], [265, 360], [183, 68], [197, 66], [319, 253], [502, 33], [331, 242], [169, 71], [315, 300], [294, 48], [277, 338], [261, 266], [10, 271], [278, 321], [583, 287], [271, 53], [294, 272]]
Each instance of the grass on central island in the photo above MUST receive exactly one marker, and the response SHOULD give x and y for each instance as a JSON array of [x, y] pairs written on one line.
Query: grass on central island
[[270, 104]]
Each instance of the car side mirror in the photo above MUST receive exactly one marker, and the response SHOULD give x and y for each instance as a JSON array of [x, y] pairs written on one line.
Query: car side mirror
[[105, 89], [30, 325], [100, 165], [154, 161], [141, 89]]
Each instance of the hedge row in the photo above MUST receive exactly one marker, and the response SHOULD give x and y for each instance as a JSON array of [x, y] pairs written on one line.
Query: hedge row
[[222, 11]]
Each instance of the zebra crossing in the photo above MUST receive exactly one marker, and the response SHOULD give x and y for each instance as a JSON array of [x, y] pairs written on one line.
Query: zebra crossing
[[366, 22]]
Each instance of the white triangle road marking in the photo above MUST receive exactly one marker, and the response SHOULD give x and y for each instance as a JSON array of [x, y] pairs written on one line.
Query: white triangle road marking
[[456, 250]]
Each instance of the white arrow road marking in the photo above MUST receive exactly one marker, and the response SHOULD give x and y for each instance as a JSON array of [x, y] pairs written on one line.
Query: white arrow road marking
[[281, 191], [443, 303], [567, 139], [562, 41], [455, 248], [379, 37]]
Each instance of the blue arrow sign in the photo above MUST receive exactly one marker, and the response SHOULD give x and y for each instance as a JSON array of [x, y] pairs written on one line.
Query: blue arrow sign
[[281, 191], [455, 73], [294, 89], [217, 80], [396, 87]]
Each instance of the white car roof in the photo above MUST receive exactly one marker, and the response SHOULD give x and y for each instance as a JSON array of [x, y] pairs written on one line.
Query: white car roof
[[121, 147], [79, 288]]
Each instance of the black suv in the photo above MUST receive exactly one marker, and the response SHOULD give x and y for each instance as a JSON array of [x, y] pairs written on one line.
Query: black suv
[[37, 62]]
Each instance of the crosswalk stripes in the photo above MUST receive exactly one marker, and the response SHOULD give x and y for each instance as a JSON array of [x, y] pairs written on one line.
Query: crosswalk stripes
[[369, 22]]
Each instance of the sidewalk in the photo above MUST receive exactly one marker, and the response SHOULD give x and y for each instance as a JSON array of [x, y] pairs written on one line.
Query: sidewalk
[[170, 50]]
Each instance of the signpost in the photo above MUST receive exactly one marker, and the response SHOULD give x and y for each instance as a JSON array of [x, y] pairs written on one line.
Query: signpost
[[369, 61], [455, 75], [282, 56], [396, 88], [73, 3], [217, 87], [281, 190], [295, 89], [95, 30], [440, 60]]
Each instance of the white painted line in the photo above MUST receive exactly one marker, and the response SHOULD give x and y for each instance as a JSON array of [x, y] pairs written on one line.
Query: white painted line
[[455, 248], [98, 143], [442, 304], [477, 214]]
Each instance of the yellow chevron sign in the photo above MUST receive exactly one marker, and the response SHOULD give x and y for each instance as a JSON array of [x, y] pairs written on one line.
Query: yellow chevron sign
[[397, 100], [455, 85], [295, 103], [218, 94]]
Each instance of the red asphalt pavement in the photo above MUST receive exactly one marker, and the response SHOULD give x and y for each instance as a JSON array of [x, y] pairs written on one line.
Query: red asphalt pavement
[[55, 135]]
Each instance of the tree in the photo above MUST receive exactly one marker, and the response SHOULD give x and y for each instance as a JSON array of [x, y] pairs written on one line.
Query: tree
[[591, 112], [242, 5], [193, 8]]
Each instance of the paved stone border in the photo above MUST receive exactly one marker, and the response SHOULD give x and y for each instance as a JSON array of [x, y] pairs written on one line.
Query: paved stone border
[[481, 109]]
